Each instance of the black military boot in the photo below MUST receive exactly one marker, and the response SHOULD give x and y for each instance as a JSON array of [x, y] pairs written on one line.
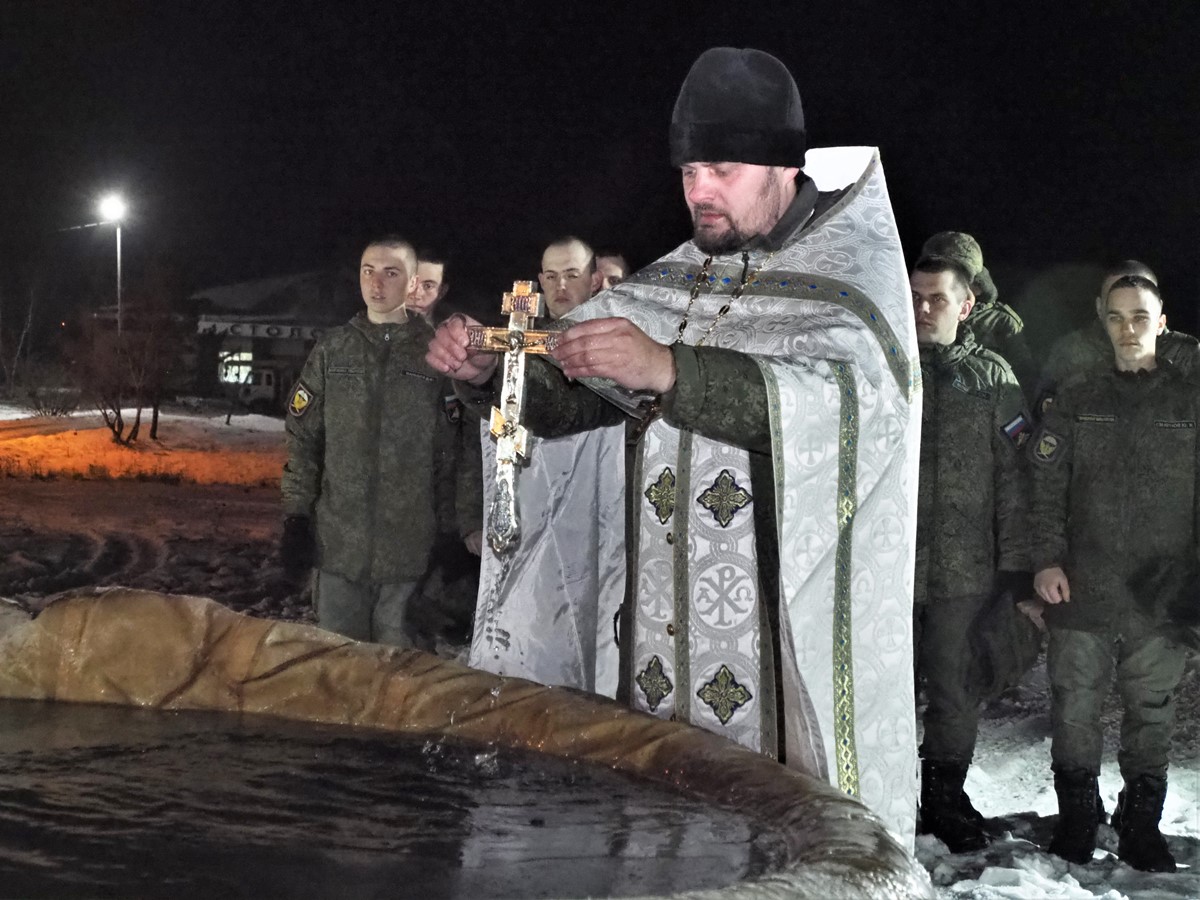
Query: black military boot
[[1142, 844], [1075, 835], [968, 809], [946, 811]]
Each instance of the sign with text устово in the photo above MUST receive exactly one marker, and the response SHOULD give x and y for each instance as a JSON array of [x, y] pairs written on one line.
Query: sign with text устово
[[258, 329]]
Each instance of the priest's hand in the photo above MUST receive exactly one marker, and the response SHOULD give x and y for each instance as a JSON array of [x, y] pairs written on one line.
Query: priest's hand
[[616, 349], [1051, 585], [448, 352]]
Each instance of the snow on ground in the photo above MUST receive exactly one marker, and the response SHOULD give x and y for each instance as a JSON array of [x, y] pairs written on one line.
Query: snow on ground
[[204, 449], [1010, 782]]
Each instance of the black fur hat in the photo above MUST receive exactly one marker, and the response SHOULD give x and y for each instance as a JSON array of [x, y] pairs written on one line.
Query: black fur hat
[[738, 106]]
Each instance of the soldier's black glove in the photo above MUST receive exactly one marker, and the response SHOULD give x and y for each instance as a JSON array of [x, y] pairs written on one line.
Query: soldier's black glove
[[1019, 585], [298, 548]]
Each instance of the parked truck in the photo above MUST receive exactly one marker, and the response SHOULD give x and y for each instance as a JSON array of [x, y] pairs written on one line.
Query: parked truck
[[266, 386]]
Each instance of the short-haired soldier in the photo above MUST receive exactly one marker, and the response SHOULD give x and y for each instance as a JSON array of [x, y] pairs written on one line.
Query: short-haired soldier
[[1115, 465], [973, 503], [359, 485]]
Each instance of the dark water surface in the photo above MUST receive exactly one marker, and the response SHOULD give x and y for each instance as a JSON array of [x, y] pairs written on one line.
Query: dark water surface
[[99, 801]]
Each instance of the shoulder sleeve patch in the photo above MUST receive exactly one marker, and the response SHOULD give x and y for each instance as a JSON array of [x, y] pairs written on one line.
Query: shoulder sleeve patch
[[453, 409], [1017, 430], [301, 400], [1049, 446]]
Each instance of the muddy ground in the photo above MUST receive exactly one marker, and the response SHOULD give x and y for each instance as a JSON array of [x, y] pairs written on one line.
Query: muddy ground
[[218, 541]]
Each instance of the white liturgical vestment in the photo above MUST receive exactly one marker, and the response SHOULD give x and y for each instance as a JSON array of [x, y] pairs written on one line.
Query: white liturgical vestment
[[828, 318]]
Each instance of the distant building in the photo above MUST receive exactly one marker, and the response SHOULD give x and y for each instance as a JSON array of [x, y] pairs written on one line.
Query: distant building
[[254, 336]]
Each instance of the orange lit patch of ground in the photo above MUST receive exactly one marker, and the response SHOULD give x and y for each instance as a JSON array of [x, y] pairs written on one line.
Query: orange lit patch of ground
[[198, 450]]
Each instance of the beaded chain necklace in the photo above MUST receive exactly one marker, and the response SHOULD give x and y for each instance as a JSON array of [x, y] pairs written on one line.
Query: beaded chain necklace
[[653, 409], [748, 278]]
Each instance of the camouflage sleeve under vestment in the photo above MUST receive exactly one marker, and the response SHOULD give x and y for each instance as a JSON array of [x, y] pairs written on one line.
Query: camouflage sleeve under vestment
[[718, 393], [721, 395]]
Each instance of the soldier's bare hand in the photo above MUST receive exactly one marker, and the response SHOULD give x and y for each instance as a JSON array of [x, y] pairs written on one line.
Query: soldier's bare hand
[[617, 349], [1051, 585], [1032, 610], [474, 542], [449, 353]]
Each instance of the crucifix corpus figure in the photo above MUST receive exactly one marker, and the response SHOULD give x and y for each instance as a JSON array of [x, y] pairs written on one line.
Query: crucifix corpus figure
[[522, 305]]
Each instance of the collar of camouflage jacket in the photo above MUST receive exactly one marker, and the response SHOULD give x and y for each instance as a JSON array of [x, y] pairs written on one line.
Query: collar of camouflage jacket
[[413, 328], [1133, 384], [947, 356]]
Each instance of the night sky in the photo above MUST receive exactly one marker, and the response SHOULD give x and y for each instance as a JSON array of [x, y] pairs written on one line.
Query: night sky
[[259, 138]]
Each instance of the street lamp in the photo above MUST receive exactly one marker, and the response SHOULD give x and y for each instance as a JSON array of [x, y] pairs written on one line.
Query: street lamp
[[112, 209]]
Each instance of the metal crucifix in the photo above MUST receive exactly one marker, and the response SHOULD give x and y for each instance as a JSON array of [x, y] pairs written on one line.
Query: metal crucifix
[[522, 305]]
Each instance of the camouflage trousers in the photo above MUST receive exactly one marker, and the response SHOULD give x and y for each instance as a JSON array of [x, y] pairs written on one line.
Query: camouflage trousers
[[943, 659], [378, 613], [1148, 669]]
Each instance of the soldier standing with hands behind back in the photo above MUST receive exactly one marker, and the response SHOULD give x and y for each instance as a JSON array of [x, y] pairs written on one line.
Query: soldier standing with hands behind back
[[971, 532], [1115, 494]]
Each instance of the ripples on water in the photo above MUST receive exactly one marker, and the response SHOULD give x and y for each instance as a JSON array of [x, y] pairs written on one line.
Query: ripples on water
[[113, 801]]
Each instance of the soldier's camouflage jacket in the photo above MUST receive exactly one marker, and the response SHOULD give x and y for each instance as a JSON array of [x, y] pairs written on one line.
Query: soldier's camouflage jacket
[[372, 441], [997, 327], [1115, 478], [1088, 350], [973, 500]]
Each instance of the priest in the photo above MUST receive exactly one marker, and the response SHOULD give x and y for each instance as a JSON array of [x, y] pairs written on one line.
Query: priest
[[771, 366]]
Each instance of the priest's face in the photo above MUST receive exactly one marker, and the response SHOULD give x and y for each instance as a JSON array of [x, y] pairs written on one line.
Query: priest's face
[[940, 302], [733, 202]]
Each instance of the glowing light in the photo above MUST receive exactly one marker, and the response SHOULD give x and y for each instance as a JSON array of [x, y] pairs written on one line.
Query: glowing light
[[112, 208]]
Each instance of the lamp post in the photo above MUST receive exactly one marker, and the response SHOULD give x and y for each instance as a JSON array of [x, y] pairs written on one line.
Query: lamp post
[[112, 209]]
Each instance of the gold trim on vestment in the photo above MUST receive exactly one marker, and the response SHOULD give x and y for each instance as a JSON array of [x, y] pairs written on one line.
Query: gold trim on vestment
[[800, 286], [843, 650], [682, 575]]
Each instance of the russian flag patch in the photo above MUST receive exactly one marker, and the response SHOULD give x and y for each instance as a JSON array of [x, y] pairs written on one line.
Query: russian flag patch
[[1017, 430]]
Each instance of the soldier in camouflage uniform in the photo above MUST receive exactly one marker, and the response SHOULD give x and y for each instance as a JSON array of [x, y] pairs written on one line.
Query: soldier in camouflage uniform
[[1115, 465], [1089, 349], [447, 606], [971, 532], [426, 298], [365, 449], [995, 324]]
